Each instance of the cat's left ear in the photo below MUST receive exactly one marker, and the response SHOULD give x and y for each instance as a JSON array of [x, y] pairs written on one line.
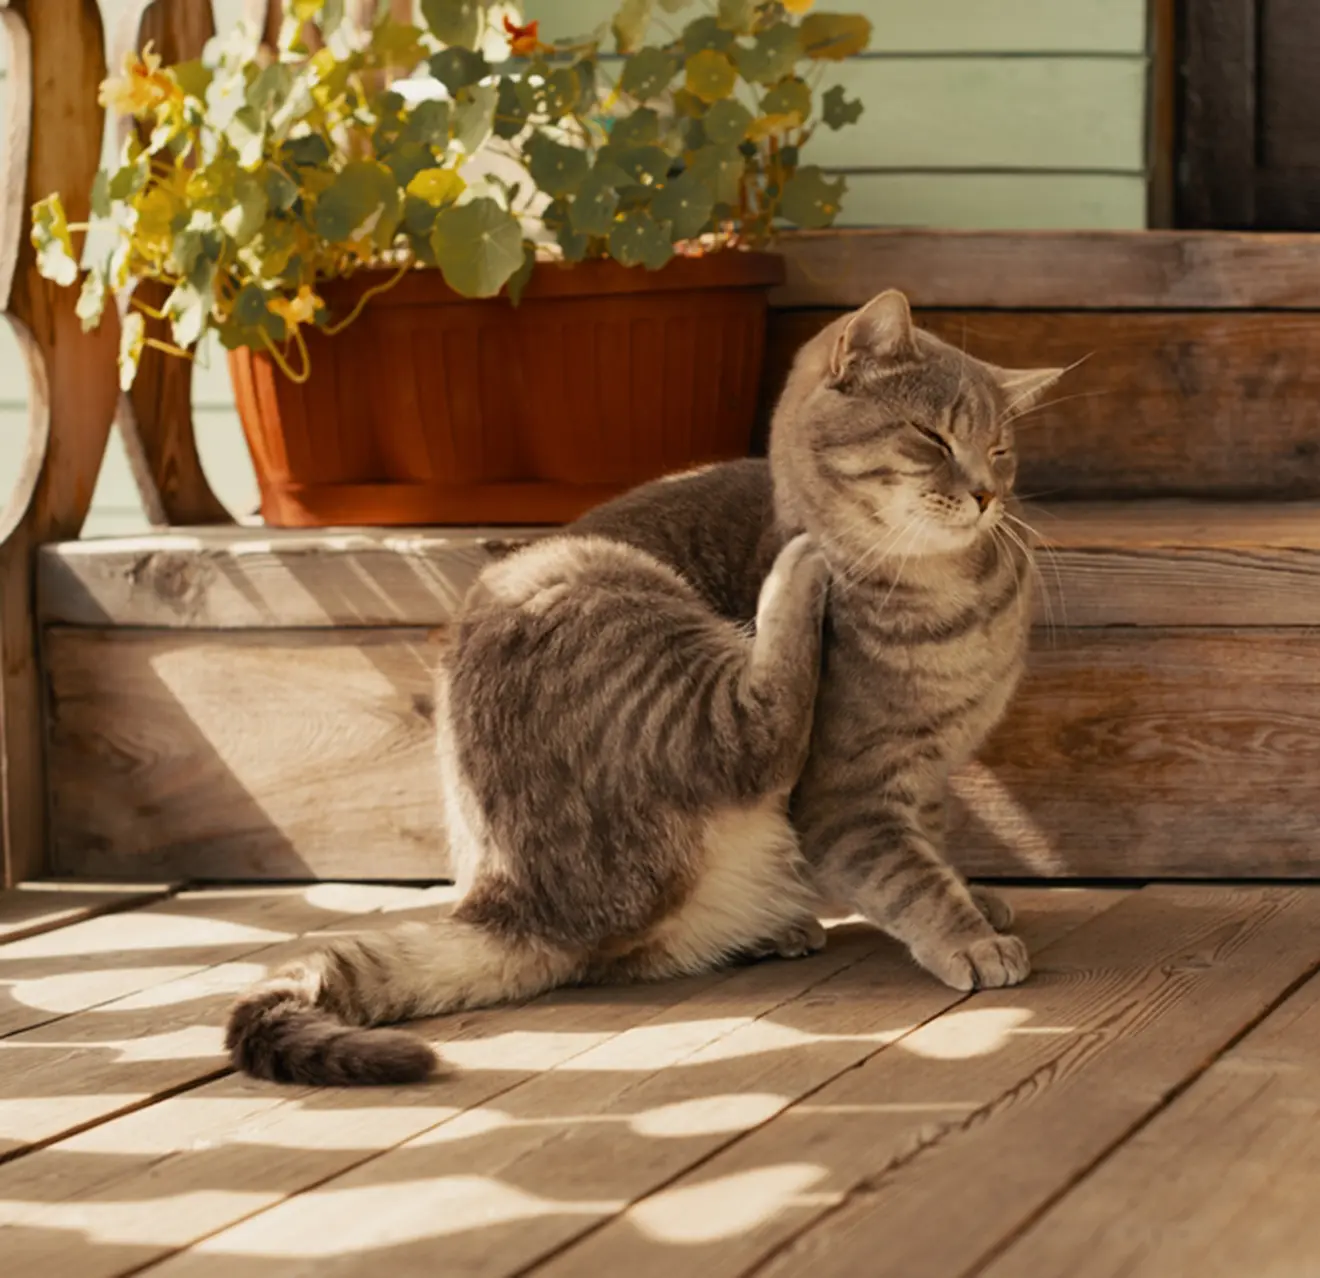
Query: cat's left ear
[[1023, 386], [882, 330]]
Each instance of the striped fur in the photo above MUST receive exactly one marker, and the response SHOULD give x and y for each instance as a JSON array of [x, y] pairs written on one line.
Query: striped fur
[[616, 761]]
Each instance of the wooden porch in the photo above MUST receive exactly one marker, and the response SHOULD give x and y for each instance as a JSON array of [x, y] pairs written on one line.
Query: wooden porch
[[1145, 1106]]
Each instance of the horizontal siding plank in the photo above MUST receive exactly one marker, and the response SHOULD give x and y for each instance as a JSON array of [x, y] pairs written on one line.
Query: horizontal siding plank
[[1111, 564], [945, 26], [996, 201], [1129, 753], [990, 113]]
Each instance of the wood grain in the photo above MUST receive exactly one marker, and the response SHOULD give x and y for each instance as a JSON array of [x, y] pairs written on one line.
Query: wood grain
[[1128, 753], [1154, 563], [619, 1119], [117, 1055], [1161, 405], [155, 420], [56, 46], [992, 1107], [1054, 270], [45, 905], [1223, 1182], [251, 755]]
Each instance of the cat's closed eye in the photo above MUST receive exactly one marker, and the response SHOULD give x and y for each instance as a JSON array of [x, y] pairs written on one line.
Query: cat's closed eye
[[933, 436]]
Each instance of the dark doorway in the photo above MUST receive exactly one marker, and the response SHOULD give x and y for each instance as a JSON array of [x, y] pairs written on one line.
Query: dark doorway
[[1249, 124]]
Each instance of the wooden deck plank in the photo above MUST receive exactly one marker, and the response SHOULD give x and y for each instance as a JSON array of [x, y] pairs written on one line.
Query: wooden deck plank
[[44, 905], [569, 1146], [118, 1054], [991, 1107], [1139, 563], [1222, 1183], [1055, 270]]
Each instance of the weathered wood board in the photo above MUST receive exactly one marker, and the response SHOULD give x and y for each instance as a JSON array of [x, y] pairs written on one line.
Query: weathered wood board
[[1129, 752], [1055, 270], [1160, 404], [1162, 563]]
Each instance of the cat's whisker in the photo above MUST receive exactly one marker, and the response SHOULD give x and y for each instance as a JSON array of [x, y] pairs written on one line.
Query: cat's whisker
[[1051, 556], [1009, 418]]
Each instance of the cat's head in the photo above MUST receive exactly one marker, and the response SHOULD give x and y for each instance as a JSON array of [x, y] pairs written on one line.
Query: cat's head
[[885, 434]]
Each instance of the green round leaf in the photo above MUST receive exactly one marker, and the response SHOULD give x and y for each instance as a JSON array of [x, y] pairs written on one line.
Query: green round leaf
[[686, 204], [453, 21], [474, 116], [478, 246], [437, 186], [639, 240], [836, 109], [407, 160], [648, 73], [630, 23], [710, 76], [810, 199], [456, 68], [557, 169], [518, 280], [594, 205], [561, 93], [427, 124], [639, 128], [705, 33], [510, 112], [771, 57], [726, 121], [361, 191], [720, 170], [834, 36], [788, 97]]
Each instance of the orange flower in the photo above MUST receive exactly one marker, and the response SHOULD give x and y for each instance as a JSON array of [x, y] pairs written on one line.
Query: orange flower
[[523, 41], [143, 88]]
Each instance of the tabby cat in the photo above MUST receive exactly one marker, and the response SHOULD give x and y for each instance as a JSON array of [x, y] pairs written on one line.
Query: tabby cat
[[617, 751]]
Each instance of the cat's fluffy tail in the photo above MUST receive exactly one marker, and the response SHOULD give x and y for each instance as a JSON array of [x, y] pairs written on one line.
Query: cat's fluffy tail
[[310, 1022]]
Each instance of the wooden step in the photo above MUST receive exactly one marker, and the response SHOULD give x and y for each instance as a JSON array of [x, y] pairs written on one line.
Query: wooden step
[[242, 703]]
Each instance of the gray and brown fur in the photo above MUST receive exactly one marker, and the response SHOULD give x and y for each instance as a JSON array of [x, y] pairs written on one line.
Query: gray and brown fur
[[618, 748], [616, 762]]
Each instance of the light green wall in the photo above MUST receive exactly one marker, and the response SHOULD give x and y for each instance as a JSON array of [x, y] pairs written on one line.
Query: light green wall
[[979, 114]]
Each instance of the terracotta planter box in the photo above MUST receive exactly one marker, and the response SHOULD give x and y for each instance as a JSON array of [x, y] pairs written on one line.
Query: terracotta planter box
[[436, 409]]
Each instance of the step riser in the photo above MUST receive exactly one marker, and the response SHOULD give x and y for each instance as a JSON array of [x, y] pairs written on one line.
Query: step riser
[[1128, 753], [1164, 404]]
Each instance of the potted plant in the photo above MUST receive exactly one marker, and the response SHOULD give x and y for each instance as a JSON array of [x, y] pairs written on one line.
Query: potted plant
[[463, 274]]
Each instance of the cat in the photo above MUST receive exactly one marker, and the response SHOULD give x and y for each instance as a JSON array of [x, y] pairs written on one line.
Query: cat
[[891, 472]]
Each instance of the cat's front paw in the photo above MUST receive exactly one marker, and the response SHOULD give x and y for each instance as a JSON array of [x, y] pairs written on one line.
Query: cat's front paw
[[798, 940], [982, 963], [995, 910]]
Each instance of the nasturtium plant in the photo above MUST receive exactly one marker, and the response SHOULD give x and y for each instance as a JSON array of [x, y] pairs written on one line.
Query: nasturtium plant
[[466, 144]]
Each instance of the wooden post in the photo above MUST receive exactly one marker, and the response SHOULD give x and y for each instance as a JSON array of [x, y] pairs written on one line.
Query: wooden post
[[53, 122], [155, 418]]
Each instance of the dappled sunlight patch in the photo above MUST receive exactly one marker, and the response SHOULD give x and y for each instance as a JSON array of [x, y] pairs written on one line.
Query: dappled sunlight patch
[[184, 988], [151, 931], [728, 1206], [766, 1035], [73, 991], [24, 1119], [395, 1213], [355, 898], [1007, 819], [304, 1127], [169, 1220], [192, 1043], [518, 1049], [965, 1033], [467, 1125], [708, 1115], [165, 1128]]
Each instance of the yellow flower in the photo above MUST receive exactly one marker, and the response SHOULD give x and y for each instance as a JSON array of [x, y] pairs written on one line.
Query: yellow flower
[[798, 6], [297, 310], [143, 88]]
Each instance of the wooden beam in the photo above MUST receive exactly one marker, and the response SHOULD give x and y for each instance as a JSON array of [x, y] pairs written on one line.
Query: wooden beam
[[1159, 404], [1129, 753], [1048, 270], [56, 47], [1135, 564], [155, 418]]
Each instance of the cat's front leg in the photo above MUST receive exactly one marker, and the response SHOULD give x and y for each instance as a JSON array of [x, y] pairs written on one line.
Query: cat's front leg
[[933, 816], [878, 859]]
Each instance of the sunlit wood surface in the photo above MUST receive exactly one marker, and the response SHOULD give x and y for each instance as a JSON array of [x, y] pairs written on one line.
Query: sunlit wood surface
[[1146, 1105]]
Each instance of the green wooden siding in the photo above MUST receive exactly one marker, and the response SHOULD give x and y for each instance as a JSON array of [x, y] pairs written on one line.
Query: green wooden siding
[[1003, 114]]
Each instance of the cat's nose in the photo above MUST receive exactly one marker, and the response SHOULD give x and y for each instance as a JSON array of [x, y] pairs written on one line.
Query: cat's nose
[[982, 497]]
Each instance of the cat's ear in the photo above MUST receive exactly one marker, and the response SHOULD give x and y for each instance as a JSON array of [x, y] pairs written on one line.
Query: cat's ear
[[1023, 386], [881, 330]]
